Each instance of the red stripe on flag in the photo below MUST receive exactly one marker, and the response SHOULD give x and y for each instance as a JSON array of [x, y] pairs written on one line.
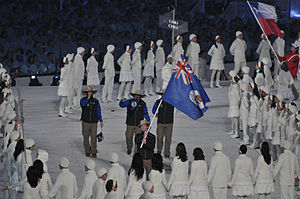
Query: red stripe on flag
[[269, 26]]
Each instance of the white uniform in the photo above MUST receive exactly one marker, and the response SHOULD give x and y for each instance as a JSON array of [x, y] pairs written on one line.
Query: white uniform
[[89, 180], [78, 78], [65, 186], [192, 53], [278, 46], [31, 193], [234, 106], [219, 174], [148, 72], [244, 113], [159, 64], [64, 87], [178, 182], [237, 49], [112, 195], [159, 182], [166, 74], [46, 184], [109, 73], [285, 80], [71, 84], [288, 169], [176, 53], [242, 179], [99, 191], [264, 51], [117, 174], [216, 63], [198, 180], [263, 177], [134, 187], [136, 70], [92, 71], [126, 76]]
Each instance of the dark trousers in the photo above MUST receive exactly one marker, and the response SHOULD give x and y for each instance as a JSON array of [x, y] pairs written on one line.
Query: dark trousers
[[89, 131], [164, 130], [130, 132]]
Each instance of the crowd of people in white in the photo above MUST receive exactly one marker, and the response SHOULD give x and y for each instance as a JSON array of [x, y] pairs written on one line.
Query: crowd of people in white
[[273, 119]]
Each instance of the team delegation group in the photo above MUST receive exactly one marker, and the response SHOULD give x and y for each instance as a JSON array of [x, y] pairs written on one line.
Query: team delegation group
[[253, 105]]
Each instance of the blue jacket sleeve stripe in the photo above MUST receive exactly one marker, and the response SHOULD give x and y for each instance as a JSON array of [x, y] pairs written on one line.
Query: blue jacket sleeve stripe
[[99, 112]]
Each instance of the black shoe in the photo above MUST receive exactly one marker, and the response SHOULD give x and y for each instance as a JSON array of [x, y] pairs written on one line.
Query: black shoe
[[128, 151], [159, 152], [87, 154], [94, 155], [167, 156]]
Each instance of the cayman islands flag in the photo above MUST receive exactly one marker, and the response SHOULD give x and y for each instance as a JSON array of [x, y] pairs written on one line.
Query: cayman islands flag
[[185, 91], [266, 17]]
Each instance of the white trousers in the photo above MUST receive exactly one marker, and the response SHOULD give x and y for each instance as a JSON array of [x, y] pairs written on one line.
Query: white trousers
[[276, 68], [159, 80], [286, 192], [148, 88], [63, 104], [127, 90], [77, 94], [212, 77], [238, 65], [108, 88], [195, 68], [136, 82], [220, 193], [244, 119], [235, 125]]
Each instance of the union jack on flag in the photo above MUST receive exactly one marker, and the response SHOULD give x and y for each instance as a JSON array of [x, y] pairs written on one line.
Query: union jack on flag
[[184, 70]]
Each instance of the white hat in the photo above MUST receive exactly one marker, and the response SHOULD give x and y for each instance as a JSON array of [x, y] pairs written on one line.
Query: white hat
[[1, 65], [295, 45], [192, 36], [279, 96], [286, 144], [265, 60], [282, 32], [64, 162], [147, 185], [292, 108], [232, 73], [137, 45], [169, 56], [127, 47], [70, 56], [151, 44], [90, 164], [218, 146], [80, 50], [159, 42], [262, 35], [64, 60], [178, 37], [92, 50], [217, 37], [42, 155], [29, 143], [14, 135], [114, 157], [101, 172], [110, 48], [246, 69], [6, 91], [265, 89], [237, 33]]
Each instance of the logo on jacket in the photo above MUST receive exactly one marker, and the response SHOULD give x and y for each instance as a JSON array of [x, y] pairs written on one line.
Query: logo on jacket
[[134, 104]]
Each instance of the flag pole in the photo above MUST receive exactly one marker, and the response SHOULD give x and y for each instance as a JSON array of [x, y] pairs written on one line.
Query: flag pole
[[173, 31], [263, 32], [149, 128]]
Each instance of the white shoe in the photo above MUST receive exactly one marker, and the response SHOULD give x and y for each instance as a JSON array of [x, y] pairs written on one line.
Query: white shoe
[[212, 85], [230, 133], [235, 136], [219, 86], [62, 115], [68, 110]]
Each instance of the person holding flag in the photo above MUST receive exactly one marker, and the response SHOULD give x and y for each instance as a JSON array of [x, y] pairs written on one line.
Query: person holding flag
[[237, 49]]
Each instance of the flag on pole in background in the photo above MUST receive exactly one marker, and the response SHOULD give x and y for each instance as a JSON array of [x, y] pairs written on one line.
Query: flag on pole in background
[[185, 91], [266, 17], [166, 22]]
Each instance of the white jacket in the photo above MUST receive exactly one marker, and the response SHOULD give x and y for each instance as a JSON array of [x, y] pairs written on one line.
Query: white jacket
[[198, 176], [263, 171], [176, 53], [180, 172], [159, 182], [46, 184], [79, 67], [117, 174], [285, 79], [167, 72], [99, 190], [92, 71], [89, 180], [219, 173], [243, 171], [217, 56], [108, 65], [125, 63], [136, 63], [237, 49], [192, 53], [234, 100], [254, 105], [278, 46], [134, 187], [113, 195], [287, 167], [263, 50], [31, 193], [159, 59], [244, 108], [65, 76], [149, 64], [65, 186]]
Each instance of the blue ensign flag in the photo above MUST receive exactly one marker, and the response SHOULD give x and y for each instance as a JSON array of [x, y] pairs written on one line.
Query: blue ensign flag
[[185, 91]]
